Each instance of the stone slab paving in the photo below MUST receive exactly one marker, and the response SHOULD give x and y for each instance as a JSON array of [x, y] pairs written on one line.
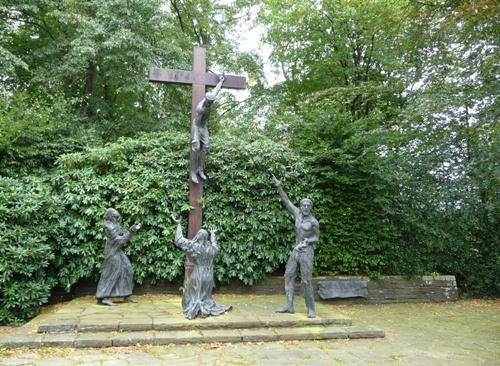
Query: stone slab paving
[[165, 313], [465, 333], [158, 319]]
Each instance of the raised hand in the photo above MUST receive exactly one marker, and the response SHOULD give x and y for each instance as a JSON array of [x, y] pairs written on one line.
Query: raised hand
[[135, 227], [177, 221], [212, 230], [276, 181]]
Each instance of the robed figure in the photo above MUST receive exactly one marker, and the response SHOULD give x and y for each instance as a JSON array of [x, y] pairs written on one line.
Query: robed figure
[[197, 297], [116, 271]]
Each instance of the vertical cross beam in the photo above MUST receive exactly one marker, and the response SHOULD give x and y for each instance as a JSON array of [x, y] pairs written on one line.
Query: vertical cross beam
[[196, 190], [199, 79]]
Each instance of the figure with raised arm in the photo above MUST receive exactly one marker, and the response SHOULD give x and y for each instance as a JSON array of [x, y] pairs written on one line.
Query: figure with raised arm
[[197, 297], [116, 271], [302, 256], [199, 132]]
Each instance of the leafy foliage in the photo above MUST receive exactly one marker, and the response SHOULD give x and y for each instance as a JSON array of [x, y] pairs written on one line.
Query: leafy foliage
[[27, 256], [144, 179], [393, 103], [33, 134], [98, 55]]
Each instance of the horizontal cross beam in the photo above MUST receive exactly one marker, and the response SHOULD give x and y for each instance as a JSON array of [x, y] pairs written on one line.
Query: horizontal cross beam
[[190, 77]]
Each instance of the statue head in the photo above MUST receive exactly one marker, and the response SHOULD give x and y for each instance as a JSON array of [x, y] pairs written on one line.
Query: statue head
[[111, 215], [306, 206], [209, 99], [201, 236]]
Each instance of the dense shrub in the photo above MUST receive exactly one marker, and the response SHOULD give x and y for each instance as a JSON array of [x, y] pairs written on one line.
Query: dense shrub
[[146, 180], [354, 187], [51, 230], [27, 255], [57, 239]]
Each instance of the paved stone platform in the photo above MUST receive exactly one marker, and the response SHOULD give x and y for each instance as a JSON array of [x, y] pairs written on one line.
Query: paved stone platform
[[158, 319]]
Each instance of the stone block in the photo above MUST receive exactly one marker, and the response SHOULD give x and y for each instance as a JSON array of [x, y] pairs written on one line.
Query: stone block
[[259, 335], [178, 337], [169, 323], [133, 338], [93, 340], [334, 332], [300, 333], [21, 340], [55, 326], [136, 324], [221, 335], [343, 289], [364, 332], [58, 340], [92, 326]]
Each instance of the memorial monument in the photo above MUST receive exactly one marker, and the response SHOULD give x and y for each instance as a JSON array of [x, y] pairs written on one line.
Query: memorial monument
[[201, 104]]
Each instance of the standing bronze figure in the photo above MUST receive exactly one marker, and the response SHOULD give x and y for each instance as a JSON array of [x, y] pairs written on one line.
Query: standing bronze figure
[[199, 132], [116, 271], [307, 235], [197, 297]]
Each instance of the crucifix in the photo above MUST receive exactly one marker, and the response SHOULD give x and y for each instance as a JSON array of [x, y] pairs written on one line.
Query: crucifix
[[199, 79]]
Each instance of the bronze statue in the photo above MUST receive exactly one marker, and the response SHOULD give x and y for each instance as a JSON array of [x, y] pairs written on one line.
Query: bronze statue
[[307, 234], [116, 271], [197, 297], [199, 132]]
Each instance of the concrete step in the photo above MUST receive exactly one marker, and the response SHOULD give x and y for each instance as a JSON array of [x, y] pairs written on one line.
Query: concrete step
[[168, 323], [114, 339], [164, 313], [160, 320]]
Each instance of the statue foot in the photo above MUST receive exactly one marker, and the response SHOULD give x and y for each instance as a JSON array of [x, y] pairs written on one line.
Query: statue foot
[[194, 178], [286, 309], [108, 302], [130, 299], [311, 314], [202, 175]]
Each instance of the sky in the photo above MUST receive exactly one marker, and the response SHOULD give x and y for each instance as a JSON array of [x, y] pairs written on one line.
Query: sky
[[249, 38]]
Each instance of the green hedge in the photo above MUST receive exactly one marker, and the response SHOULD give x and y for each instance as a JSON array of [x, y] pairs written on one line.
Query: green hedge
[[57, 238], [51, 229], [27, 251], [145, 179]]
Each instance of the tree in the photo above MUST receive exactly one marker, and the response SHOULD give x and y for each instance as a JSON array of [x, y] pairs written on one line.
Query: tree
[[394, 105]]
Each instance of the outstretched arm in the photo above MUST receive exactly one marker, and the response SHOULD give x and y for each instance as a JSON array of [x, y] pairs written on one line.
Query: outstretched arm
[[119, 234], [180, 240], [213, 94], [213, 238], [284, 198]]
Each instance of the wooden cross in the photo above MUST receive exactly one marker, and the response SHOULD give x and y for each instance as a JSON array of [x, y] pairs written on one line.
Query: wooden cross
[[199, 79]]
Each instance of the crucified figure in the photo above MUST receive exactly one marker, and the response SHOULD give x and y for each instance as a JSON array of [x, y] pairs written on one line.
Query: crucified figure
[[199, 132]]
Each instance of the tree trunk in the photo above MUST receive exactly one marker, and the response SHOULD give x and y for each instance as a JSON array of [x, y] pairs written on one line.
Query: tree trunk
[[90, 88]]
